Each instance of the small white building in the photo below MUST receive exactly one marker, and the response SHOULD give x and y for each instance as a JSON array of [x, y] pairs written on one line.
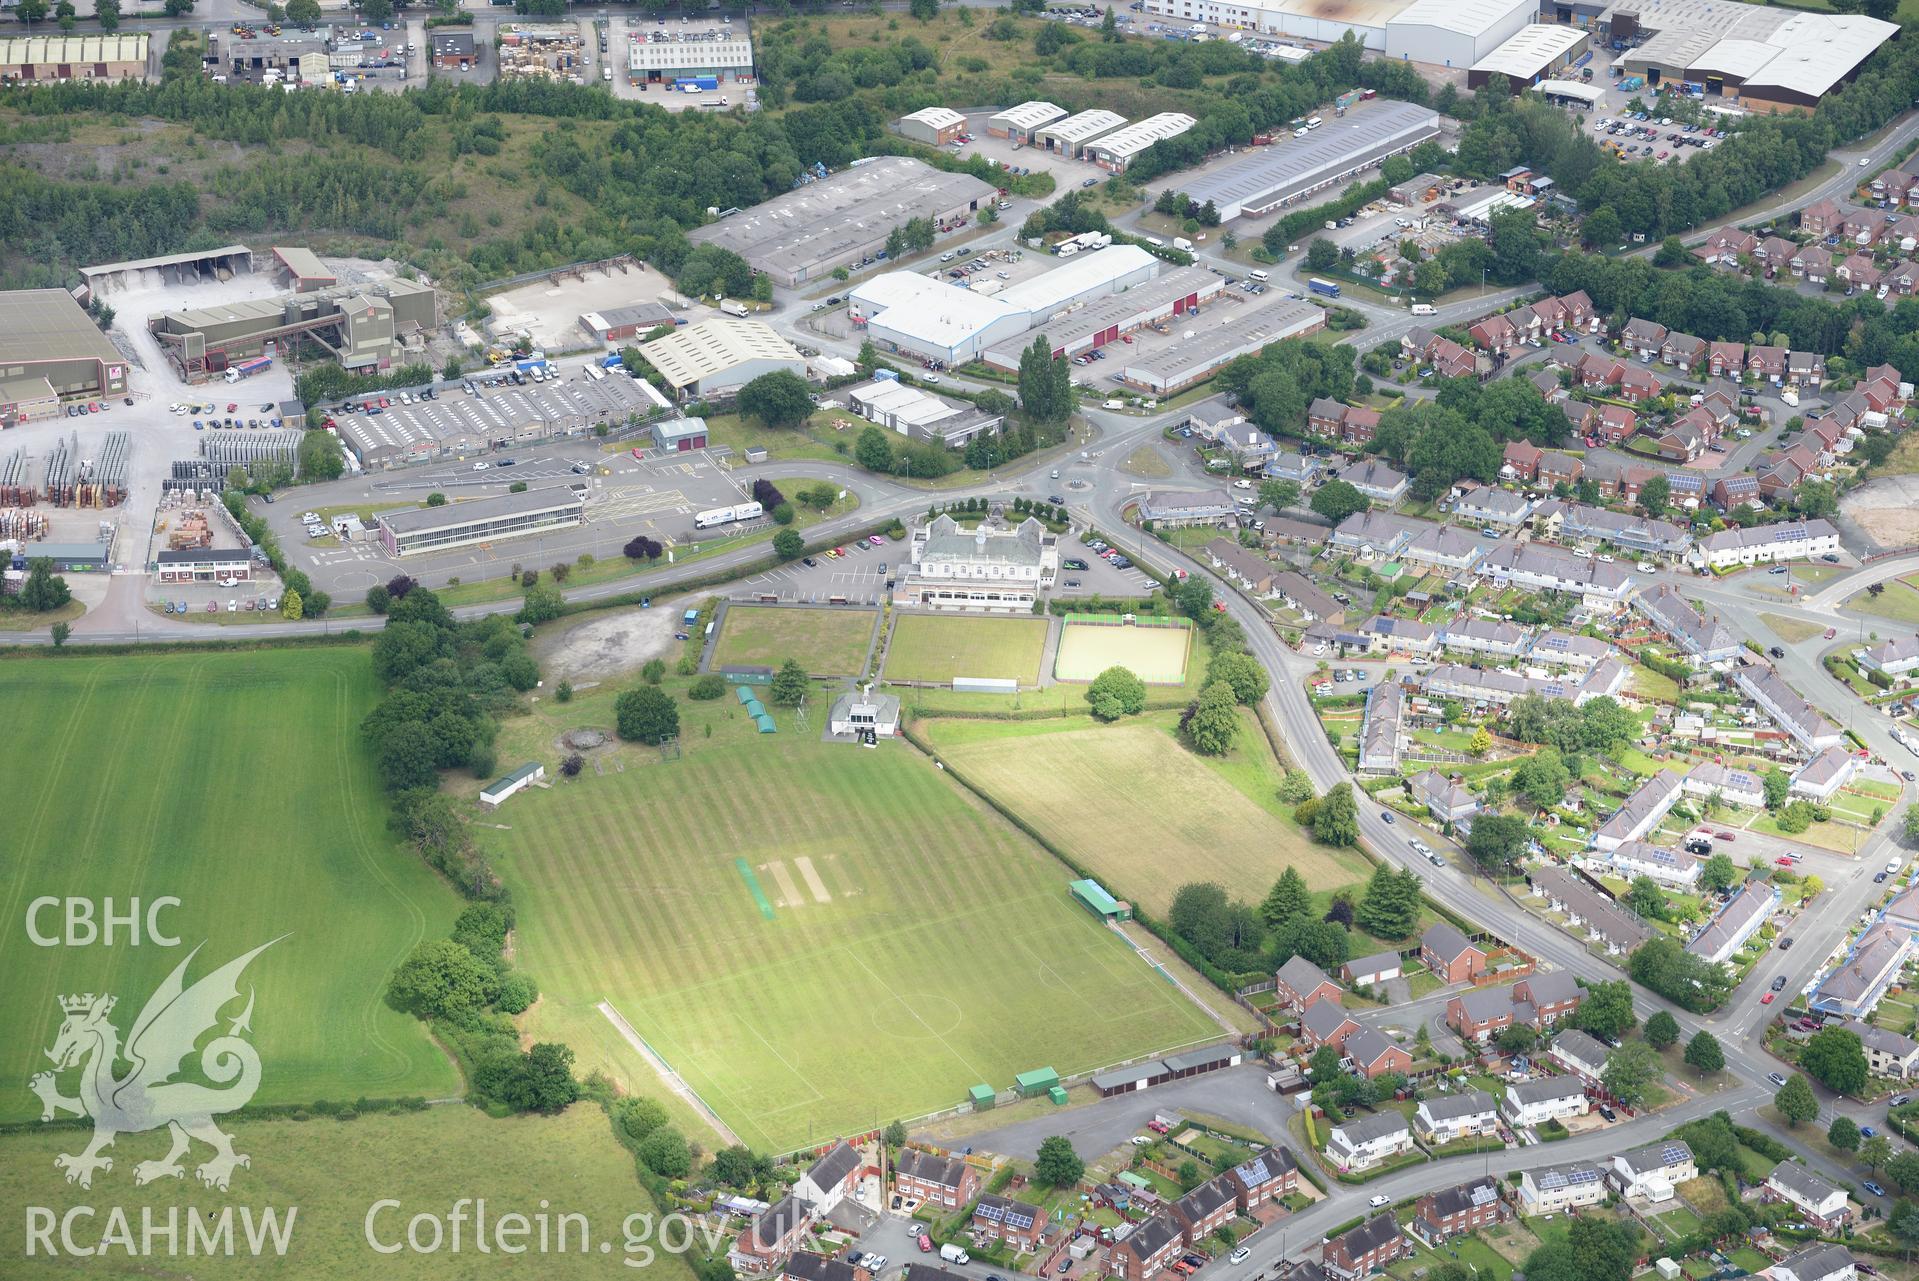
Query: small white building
[[860, 712], [1549, 1098], [494, 793], [1896, 657], [1456, 1116], [934, 126], [1364, 1142]]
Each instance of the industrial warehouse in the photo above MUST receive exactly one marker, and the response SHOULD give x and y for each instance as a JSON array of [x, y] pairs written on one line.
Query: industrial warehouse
[[1096, 323], [843, 220], [1266, 178], [719, 355], [364, 327], [1769, 59], [454, 426], [481, 520], [51, 351], [1022, 122], [908, 312], [723, 51], [1205, 345], [42, 59], [1069, 136], [934, 126], [1530, 57], [1452, 33], [1119, 148]]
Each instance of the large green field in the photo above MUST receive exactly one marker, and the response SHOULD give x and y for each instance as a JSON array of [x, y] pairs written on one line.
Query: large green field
[[332, 1173], [235, 783], [827, 642], [902, 922], [939, 647], [1139, 810]]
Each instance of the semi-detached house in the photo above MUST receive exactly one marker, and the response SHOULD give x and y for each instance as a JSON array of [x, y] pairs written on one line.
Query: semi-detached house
[[1556, 1189], [1451, 1212], [1147, 1250], [1462, 1114], [1206, 1209], [1364, 1142], [1365, 1249], [935, 1178], [1817, 1200], [1543, 1099]]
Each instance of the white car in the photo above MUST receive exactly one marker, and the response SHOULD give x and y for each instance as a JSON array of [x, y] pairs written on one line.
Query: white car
[[1377, 1201], [1140, 1140], [1240, 1255], [479, 466], [1865, 162]]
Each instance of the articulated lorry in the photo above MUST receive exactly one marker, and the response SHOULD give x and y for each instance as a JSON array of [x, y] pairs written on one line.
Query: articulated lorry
[[248, 368]]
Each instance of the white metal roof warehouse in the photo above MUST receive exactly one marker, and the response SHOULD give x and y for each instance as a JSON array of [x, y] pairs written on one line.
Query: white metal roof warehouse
[[1069, 135], [1222, 336], [1268, 177], [1117, 149], [1766, 57], [1535, 51], [932, 125], [843, 218], [1326, 20], [1021, 121], [1456, 33]]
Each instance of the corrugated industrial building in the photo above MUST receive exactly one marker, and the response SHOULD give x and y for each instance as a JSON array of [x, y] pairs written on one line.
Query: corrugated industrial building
[[1267, 177], [1323, 20], [617, 324], [301, 270], [39, 59], [1022, 122], [1105, 321], [843, 220], [50, 348], [719, 355], [1768, 59], [1212, 342], [481, 520], [1456, 33], [1530, 56], [456, 426], [452, 51], [1119, 148], [720, 50], [934, 126], [1070, 136], [906, 311], [364, 327]]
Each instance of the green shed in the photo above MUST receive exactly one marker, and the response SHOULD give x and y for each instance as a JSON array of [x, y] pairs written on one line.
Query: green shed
[[1037, 1082], [983, 1096], [1057, 1094], [1094, 898], [1135, 1180]]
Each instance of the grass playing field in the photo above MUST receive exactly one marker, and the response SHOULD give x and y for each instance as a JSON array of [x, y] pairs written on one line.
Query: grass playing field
[[1157, 655], [938, 647], [908, 923], [333, 1172], [237, 784], [1143, 813], [828, 642]]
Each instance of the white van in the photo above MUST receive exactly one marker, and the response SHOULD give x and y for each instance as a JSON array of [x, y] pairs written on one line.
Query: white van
[[1424, 309], [1314, 122], [1261, 275]]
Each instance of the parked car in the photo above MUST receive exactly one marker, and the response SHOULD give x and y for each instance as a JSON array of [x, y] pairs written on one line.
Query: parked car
[[1377, 1201], [1776, 1078], [1873, 1188], [1867, 1132]]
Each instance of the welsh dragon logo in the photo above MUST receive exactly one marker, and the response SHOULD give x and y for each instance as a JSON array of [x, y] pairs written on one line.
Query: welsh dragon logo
[[147, 1097]]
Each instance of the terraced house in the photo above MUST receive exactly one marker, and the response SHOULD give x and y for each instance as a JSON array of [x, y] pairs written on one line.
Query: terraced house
[[1270, 1176], [1464, 1114], [1147, 1251], [1206, 1209], [934, 1178]]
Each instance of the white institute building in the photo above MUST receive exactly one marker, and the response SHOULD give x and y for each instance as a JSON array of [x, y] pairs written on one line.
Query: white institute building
[[983, 569]]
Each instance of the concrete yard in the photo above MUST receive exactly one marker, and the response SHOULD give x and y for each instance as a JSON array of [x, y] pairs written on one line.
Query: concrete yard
[[550, 314]]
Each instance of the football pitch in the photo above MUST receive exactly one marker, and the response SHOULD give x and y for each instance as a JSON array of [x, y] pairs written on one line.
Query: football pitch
[[1157, 655], [917, 943], [235, 783], [939, 647], [827, 642]]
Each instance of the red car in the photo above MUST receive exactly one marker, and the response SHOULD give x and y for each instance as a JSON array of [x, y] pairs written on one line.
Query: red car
[[1767, 998], [1831, 632], [1784, 860], [233, 409], [1725, 836]]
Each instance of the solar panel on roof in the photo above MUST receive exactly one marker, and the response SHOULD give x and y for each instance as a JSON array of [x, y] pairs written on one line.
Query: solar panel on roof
[[1672, 1154]]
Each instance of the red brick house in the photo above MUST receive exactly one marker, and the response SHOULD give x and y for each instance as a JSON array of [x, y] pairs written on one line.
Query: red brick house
[[1768, 363], [1682, 351], [1299, 983], [1523, 457], [1450, 1212], [1014, 1222], [1360, 1251], [1814, 263], [1450, 360], [1267, 1177], [1616, 423], [1820, 218], [1372, 1054], [807, 1266], [1360, 426], [934, 1178], [763, 1246], [1551, 997], [1450, 955], [1206, 1209], [1325, 1023], [1726, 359], [1598, 371], [1639, 385], [1495, 334], [1556, 468], [1481, 1014], [1325, 415], [1147, 1250], [1579, 312]]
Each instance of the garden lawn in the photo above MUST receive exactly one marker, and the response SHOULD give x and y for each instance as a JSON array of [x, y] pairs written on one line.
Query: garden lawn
[[236, 783], [904, 916], [939, 647], [827, 642], [1138, 810], [1157, 655], [334, 1172], [1899, 602]]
